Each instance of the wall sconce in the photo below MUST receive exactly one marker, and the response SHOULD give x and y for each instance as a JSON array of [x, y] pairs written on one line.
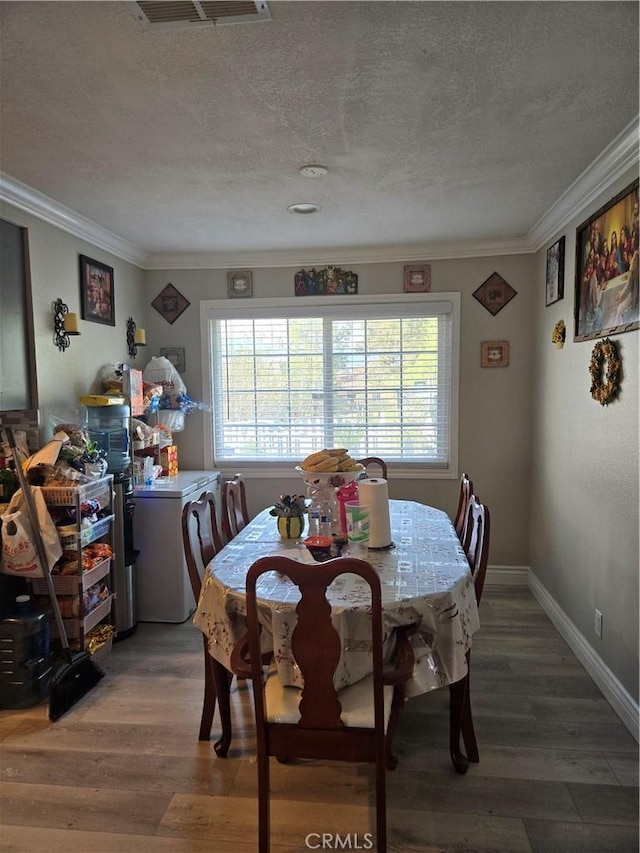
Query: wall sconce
[[135, 338], [64, 324]]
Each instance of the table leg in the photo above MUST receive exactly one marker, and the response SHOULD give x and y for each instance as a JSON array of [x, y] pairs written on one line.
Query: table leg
[[222, 678]]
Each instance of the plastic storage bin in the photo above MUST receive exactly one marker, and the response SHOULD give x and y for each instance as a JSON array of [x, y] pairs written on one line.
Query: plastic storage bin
[[25, 668]]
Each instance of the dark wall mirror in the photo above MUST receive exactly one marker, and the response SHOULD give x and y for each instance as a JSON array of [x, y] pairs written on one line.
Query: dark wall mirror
[[18, 386]]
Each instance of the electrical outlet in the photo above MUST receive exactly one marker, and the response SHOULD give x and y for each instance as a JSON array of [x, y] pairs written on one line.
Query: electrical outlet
[[598, 624]]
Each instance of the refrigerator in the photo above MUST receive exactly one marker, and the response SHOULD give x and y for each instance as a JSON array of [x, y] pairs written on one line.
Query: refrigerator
[[164, 592]]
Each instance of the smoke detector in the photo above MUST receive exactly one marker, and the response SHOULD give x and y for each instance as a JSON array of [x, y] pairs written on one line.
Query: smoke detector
[[187, 14], [303, 207]]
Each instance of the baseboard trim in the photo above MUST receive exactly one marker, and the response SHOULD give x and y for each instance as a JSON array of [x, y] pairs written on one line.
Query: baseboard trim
[[614, 692], [507, 576]]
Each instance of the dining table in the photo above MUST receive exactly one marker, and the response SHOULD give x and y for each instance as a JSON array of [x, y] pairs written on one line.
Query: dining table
[[425, 581]]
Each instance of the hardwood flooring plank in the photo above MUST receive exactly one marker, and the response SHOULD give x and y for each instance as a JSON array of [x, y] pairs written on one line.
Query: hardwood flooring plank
[[121, 770], [552, 765], [532, 666], [606, 803], [483, 704], [95, 809], [313, 781], [223, 820], [578, 687], [482, 795], [595, 709], [178, 739], [555, 837], [625, 767], [21, 839], [419, 831], [588, 736]]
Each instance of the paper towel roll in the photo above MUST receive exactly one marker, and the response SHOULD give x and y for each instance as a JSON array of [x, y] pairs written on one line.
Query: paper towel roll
[[375, 494]]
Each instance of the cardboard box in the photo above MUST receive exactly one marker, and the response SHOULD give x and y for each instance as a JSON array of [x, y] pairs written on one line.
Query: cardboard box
[[169, 460]]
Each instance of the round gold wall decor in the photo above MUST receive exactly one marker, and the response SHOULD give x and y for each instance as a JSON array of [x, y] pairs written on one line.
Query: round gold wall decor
[[604, 368]]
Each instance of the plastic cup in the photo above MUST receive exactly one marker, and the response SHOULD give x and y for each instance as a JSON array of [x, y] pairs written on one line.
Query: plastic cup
[[358, 517]]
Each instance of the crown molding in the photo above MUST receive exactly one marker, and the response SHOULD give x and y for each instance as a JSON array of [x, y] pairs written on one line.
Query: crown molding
[[617, 158], [31, 201], [339, 256]]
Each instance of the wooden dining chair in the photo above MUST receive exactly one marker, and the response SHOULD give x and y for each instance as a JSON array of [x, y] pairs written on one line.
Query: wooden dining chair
[[318, 722], [200, 524], [476, 547], [374, 460], [466, 490], [235, 515]]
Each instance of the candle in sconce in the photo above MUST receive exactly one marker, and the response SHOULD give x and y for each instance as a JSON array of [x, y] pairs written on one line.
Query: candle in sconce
[[140, 338], [71, 324]]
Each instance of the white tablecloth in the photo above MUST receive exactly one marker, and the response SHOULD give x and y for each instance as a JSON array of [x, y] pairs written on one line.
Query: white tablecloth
[[425, 581]]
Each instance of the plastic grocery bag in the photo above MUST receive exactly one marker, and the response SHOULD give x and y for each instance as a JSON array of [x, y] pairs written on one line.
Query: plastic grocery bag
[[160, 371], [19, 550]]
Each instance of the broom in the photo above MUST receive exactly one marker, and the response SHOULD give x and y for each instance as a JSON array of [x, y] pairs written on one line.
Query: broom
[[78, 674]]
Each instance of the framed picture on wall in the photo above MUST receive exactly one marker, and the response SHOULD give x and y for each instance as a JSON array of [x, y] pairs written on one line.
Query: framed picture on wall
[[175, 356], [97, 298], [606, 286], [555, 272], [417, 279], [240, 284], [495, 353]]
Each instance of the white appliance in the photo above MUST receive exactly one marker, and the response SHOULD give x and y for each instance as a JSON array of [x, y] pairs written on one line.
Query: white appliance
[[164, 591]]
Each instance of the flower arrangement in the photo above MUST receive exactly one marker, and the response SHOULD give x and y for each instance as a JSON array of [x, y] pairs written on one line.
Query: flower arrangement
[[289, 506], [558, 334], [605, 367]]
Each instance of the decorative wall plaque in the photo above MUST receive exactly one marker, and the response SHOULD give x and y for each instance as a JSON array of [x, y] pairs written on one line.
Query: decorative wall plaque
[[325, 282], [170, 303], [494, 293]]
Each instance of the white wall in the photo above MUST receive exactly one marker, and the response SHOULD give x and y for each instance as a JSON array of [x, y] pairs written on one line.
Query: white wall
[[54, 264], [495, 404], [584, 528]]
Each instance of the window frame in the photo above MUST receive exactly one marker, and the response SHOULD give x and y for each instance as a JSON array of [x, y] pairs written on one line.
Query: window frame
[[211, 309]]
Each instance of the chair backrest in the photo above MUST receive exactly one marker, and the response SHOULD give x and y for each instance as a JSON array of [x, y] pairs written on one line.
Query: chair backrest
[[374, 460], [235, 515], [316, 646], [476, 542], [466, 490], [200, 523]]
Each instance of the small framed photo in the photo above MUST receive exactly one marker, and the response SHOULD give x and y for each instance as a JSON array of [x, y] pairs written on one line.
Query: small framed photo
[[97, 298], [417, 279], [495, 353], [176, 356], [239, 284], [170, 303], [555, 272]]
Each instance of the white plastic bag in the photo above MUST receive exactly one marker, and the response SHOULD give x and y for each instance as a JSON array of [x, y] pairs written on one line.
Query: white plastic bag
[[19, 550]]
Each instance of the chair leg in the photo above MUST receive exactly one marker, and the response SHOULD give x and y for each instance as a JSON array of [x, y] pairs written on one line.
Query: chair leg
[[391, 760], [457, 699], [468, 732], [209, 701], [381, 807], [222, 679], [264, 829]]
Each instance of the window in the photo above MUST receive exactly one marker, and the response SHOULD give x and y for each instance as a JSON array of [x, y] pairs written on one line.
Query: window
[[376, 375]]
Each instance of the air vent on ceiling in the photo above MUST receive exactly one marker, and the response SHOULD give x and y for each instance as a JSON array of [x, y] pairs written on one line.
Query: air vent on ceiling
[[185, 14]]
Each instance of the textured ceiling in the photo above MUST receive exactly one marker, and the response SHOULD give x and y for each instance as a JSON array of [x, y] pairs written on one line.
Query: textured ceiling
[[437, 121]]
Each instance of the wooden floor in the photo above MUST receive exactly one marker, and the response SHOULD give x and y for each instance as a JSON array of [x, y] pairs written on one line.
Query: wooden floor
[[123, 772]]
